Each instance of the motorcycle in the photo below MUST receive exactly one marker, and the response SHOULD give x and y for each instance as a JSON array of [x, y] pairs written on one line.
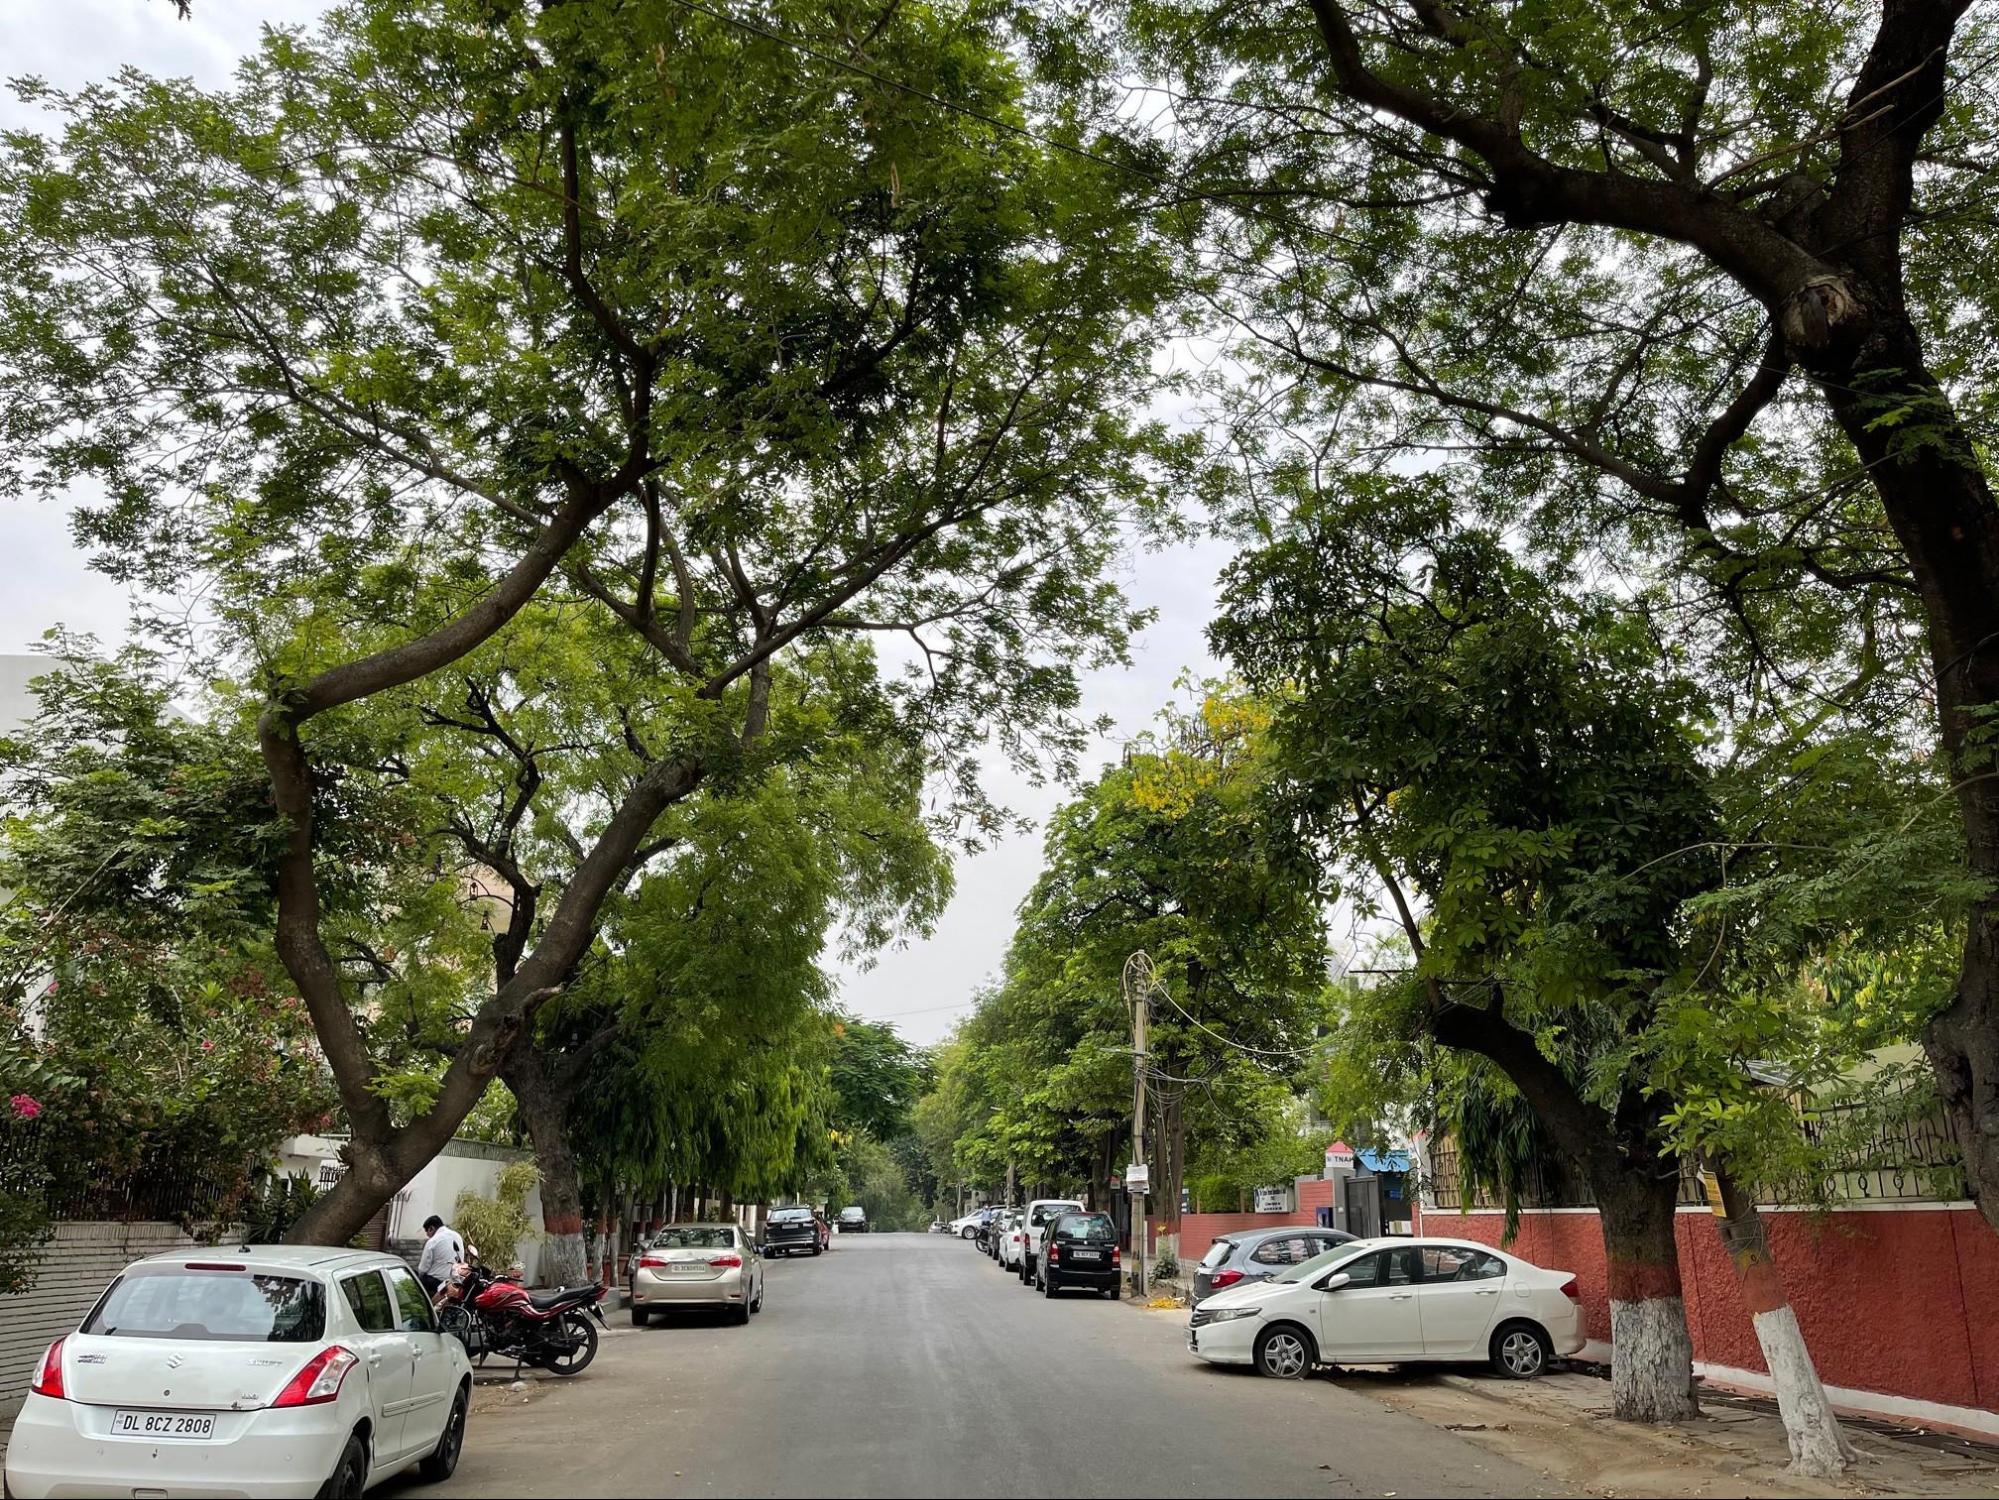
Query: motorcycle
[[494, 1314]]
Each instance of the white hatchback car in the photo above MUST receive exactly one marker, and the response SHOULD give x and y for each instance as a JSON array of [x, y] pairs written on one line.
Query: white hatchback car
[[271, 1370], [1394, 1301], [1008, 1242]]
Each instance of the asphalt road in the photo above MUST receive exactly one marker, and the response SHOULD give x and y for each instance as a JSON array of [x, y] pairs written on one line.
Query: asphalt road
[[910, 1365]]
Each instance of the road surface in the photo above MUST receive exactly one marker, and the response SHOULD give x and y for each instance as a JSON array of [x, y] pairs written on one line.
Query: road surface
[[910, 1365]]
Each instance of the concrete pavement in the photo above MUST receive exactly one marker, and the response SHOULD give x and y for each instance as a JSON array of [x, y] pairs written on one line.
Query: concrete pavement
[[910, 1365]]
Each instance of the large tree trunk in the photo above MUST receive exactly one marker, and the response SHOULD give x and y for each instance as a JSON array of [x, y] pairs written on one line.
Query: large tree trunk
[[1945, 516], [1819, 1449], [1652, 1353], [545, 1109]]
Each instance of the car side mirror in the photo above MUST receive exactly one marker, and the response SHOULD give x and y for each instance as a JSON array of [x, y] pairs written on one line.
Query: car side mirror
[[1334, 1282]]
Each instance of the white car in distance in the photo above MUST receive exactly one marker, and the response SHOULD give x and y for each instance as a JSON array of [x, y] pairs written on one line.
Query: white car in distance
[[270, 1370], [1397, 1301], [1010, 1241]]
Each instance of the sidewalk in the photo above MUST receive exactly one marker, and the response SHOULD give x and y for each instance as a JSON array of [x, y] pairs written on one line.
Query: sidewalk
[[1561, 1425]]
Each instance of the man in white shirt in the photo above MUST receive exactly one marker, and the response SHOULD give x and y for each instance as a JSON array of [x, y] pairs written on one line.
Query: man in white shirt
[[441, 1246]]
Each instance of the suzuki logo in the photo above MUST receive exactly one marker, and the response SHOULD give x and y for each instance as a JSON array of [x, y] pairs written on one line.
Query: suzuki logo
[[173, 1361]]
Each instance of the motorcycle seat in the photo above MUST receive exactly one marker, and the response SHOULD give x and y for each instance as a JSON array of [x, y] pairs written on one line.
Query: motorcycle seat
[[560, 1294]]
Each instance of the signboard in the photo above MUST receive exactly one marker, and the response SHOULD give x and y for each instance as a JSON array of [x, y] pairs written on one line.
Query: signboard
[[1339, 1158], [1138, 1177], [1273, 1200]]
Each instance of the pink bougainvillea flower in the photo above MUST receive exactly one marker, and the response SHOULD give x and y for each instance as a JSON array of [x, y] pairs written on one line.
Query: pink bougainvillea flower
[[25, 1106], [207, 1045]]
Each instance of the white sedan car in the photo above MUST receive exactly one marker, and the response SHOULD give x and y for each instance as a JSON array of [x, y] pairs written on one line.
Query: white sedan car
[[1009, 1242], [270, 1370], [1394, 1301]]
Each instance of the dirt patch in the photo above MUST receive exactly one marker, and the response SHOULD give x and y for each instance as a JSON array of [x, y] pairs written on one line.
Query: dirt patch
[[1562, 1426]]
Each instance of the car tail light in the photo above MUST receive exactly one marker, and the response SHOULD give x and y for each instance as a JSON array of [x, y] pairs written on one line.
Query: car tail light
[[1571, 1290], [213, 1265], [48, 1379], [725, 1262], [1115, 1260], [1054, 1252], [1224, 1278], [654, 1261], [319, 1381]]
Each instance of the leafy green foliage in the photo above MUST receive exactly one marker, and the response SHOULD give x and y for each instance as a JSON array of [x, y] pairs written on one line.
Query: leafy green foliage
[[495, 1227]]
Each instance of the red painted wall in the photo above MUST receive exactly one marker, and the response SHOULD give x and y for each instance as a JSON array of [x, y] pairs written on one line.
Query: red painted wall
[[1903, 1301]]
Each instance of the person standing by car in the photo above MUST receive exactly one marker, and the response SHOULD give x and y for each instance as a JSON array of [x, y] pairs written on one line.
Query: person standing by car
[[441, 1246]]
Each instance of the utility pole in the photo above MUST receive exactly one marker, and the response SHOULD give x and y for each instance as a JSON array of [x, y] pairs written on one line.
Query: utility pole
[[1138, 997]]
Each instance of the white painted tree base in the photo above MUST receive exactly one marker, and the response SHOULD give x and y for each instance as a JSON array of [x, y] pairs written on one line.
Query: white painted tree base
[[1652, 1361], [1819, 1450], [563, 1262]]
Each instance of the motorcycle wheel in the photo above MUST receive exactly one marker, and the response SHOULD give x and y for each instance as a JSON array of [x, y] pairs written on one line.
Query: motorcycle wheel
[[581, 1335]]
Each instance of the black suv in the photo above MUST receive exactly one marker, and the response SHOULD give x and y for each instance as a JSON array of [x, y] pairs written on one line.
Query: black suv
[[791, 1230], [1081, 1251]]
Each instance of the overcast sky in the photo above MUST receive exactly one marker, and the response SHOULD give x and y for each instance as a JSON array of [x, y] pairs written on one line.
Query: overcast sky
[[923, 986]]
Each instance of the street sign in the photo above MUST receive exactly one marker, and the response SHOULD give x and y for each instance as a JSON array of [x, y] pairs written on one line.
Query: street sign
[[1273, 1200], [1339, 1157], [1138, 1177]]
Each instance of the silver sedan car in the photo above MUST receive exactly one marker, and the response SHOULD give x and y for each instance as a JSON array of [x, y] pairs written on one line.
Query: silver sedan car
[[698, 1265]]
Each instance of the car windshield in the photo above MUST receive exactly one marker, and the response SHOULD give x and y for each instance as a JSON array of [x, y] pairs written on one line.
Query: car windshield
[[1046, 1211], [1085, 1227], [694, 1238], [1305, 1270], [1217, 1253], [221, 1306], [791, 1216]]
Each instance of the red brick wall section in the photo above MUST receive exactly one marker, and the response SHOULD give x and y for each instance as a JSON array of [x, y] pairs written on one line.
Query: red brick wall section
[[1903, 1301], [1314, 1193], [1199, 1231]]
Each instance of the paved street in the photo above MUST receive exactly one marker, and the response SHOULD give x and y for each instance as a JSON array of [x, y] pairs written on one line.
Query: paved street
[[910, 1365]]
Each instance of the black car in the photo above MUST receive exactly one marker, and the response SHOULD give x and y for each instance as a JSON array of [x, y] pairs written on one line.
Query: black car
[[791, 1230], [1081, 1252], [853, 1219]]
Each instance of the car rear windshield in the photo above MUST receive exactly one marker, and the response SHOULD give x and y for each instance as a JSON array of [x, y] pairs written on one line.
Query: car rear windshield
[[1217, 1253], [791, 1216], [1041, 1213], [694, 1239], [221, 1306], [1085, 1227]]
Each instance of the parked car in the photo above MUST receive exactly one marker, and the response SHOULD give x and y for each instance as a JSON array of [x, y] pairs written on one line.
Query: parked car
[[273, 1370], [1034, 1223], [1400, 1301], [790, 1230], [1259, 1254], [1079, 1250], [698, 1265], [1011, 1237], [853, 1219], [966, 1227]]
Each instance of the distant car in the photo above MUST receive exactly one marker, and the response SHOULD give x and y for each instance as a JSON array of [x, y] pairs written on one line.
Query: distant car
[[274, 1370], [1034, 1223], [967, 1226], [1394, 1302], [1010, 1239], [936, 1226], [1259, 1254], [787, 1231], [1079, 1250], [698, 1265], [853, 1220]]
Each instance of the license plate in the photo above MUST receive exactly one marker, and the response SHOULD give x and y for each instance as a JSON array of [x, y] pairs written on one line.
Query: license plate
[[162, 1424], [1087, 1254], [688, 1268]]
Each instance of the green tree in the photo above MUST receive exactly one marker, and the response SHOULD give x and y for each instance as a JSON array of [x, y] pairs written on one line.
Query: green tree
[[1517, 781], [442, 303], [1690, 288]]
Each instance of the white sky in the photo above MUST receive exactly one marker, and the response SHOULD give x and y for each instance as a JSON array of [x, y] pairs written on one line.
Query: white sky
[[925, 985]]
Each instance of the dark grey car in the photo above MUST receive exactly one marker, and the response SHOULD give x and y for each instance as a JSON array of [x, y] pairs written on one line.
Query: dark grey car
[[1259, 1254]]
